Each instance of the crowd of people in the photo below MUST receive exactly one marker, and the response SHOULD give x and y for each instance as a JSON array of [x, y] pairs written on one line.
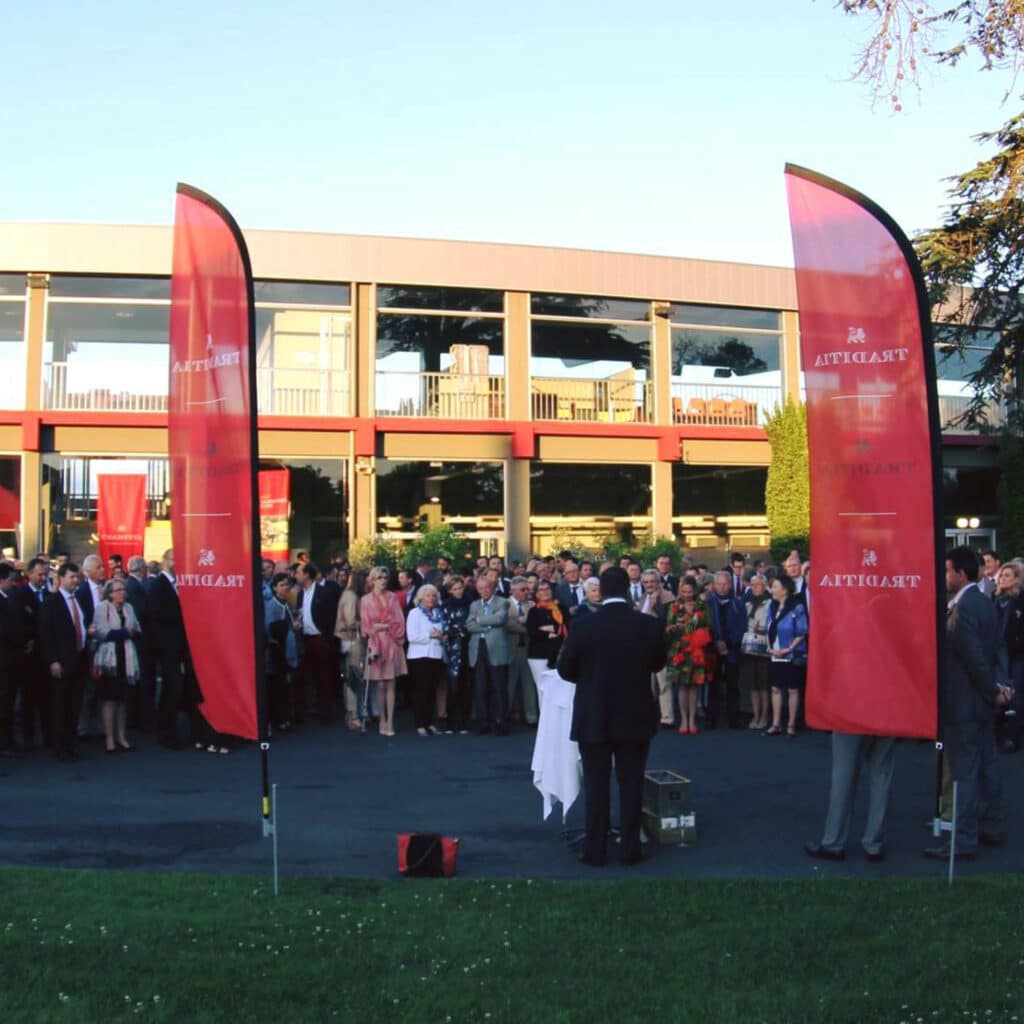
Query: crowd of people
[[102, 651]]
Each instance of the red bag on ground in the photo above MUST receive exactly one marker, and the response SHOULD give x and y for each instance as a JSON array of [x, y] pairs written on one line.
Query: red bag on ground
[[426, 855]]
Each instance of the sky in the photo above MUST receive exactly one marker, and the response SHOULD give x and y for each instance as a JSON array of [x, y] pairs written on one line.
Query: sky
[[659, 127]]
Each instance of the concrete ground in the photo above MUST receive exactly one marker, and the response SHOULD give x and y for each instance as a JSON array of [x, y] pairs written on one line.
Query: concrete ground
[[342, 798]]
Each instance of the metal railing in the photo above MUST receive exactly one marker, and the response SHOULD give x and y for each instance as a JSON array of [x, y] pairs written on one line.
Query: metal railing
[[953, 407], [455, 396], [118, 394], [723, 405], [604, 400], [300, 392]]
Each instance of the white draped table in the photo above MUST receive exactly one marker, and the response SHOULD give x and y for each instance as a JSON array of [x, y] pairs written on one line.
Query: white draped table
[[556, 758]]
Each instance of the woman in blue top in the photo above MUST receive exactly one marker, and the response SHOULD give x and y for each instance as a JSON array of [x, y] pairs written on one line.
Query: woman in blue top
[[787, 648]]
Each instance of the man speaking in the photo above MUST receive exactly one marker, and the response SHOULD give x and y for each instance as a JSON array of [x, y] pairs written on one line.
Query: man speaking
[[610, 656]]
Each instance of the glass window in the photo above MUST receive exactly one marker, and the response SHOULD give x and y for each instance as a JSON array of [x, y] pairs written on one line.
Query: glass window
[[561, 488], [65, 285], [468, 492], [718, 490], [106, 356], [591, 307], [302, 293], [959, 364], [725, 354], [401, 296], [13, 284], [318, 499], [725, 316]]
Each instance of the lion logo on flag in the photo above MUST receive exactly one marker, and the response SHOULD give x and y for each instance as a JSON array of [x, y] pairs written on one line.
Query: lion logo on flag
[[206, 557]]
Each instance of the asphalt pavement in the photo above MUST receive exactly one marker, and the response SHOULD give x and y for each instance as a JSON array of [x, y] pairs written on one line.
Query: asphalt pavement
[[343, 797]]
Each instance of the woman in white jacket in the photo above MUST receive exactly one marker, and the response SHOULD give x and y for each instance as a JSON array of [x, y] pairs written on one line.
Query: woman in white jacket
[[424, 629]]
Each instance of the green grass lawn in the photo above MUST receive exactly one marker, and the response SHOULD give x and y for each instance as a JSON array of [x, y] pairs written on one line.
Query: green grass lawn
[[100, 947]]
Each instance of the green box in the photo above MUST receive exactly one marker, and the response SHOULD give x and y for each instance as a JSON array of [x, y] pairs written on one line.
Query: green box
[[673, 830], [666, 794]]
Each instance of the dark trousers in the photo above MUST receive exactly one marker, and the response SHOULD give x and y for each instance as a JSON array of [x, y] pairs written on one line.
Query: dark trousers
[[277, 695], [460, 698], [727, 677], [426, 674], [974, 766], [66, 704], [490, 688], [35, 702], [172, 681], [11, 671], [142, 696], [319, 669], [630, 759]]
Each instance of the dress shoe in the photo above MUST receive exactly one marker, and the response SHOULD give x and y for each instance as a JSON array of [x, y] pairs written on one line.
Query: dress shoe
[[875, 858], [820, 852], [991, 838], [942, 853]]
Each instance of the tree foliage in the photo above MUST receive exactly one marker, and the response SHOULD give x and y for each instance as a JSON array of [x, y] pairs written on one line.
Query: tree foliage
[[788, 491], [907, 33]]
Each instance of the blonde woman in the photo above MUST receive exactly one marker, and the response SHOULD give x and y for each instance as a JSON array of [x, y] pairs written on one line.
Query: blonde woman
[[425, 628], [353, 650], [382, 624]]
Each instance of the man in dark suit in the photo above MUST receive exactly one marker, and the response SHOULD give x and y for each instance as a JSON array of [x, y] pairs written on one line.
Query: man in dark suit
[[728, 624], [12, 656], [611, 656], [141, 698], [35, 685], [65, 642], [318, 610], [973, 687], [569, 593], [169, 646], [669, 581]]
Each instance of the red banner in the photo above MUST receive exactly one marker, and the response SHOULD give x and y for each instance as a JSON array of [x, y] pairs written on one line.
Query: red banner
[[872, 428], [120, 514], [274, 494], [213, 458]]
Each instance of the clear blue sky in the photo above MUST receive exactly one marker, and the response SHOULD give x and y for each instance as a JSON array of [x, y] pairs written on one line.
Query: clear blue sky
[[652, 127]]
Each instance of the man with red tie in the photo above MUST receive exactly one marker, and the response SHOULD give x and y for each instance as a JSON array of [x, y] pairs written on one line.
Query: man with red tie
[[738, 564], [64, 639]]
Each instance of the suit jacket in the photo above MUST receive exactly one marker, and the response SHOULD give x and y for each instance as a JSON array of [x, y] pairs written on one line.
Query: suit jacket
[[728, 624], [12, 632], [610, 656], [566, 595], [975, 660], [164, 626], [326, 596], [516, 626], [85, 601], [492, 628], [136, 597], [664, 599], [30, 608], [57, 635]]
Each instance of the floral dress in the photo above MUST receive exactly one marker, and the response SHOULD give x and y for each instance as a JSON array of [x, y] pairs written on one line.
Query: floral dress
[[385, 658], [456, 636], [688, 636]]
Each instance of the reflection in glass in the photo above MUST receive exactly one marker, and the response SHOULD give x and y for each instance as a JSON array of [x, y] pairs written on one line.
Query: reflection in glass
[[106, 356], [80, 287], [12, 348], [13, 284], [318, 497], [725, 316], [718, 490], [591, 307], [302, 293], [400, 296], [970, 491], [959, 354], [598, 489], [10, 504]]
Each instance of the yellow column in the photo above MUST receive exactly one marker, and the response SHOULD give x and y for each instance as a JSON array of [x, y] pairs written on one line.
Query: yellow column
[[31, 459], [517, 508], [364, 348], [661, 364], [790, 356], [363, 498], [661, 499], [517, 355]]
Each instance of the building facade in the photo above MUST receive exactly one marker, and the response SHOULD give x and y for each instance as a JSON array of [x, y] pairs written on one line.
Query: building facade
[[528, 396]]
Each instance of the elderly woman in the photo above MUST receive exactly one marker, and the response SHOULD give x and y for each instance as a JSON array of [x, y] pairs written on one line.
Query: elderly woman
[[787, 647], [116, 662], [382, 624], [591, 599], [358, 704], [455, 609], [425, 631], [755, 668], [547, 625]]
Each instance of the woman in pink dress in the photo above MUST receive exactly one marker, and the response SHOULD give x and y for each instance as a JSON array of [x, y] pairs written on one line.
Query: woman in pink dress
[[382, 623]]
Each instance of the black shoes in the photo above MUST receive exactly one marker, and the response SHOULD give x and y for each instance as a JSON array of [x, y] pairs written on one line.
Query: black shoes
[[942, 853], [876, 858], [820, 852]]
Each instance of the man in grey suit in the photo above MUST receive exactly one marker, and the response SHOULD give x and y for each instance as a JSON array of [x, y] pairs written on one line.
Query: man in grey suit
[[489, 657], [973, 687]]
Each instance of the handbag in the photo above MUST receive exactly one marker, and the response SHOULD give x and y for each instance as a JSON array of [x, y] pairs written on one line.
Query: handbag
[[755, 643], [427, 855]]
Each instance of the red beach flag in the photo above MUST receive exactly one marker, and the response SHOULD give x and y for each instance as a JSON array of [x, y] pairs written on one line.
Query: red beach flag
[[875, 605], [213, 448], [120, 514]]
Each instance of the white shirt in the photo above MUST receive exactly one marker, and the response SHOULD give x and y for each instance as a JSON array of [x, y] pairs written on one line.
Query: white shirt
[[308, 628], [417, 632]]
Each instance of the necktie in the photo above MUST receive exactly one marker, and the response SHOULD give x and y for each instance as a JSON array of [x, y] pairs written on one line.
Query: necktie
[[40, 594], [76, 618], [636, 592], [739, 586]]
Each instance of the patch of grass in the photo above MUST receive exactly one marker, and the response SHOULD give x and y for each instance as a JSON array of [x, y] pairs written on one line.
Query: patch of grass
[[89, 946]]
